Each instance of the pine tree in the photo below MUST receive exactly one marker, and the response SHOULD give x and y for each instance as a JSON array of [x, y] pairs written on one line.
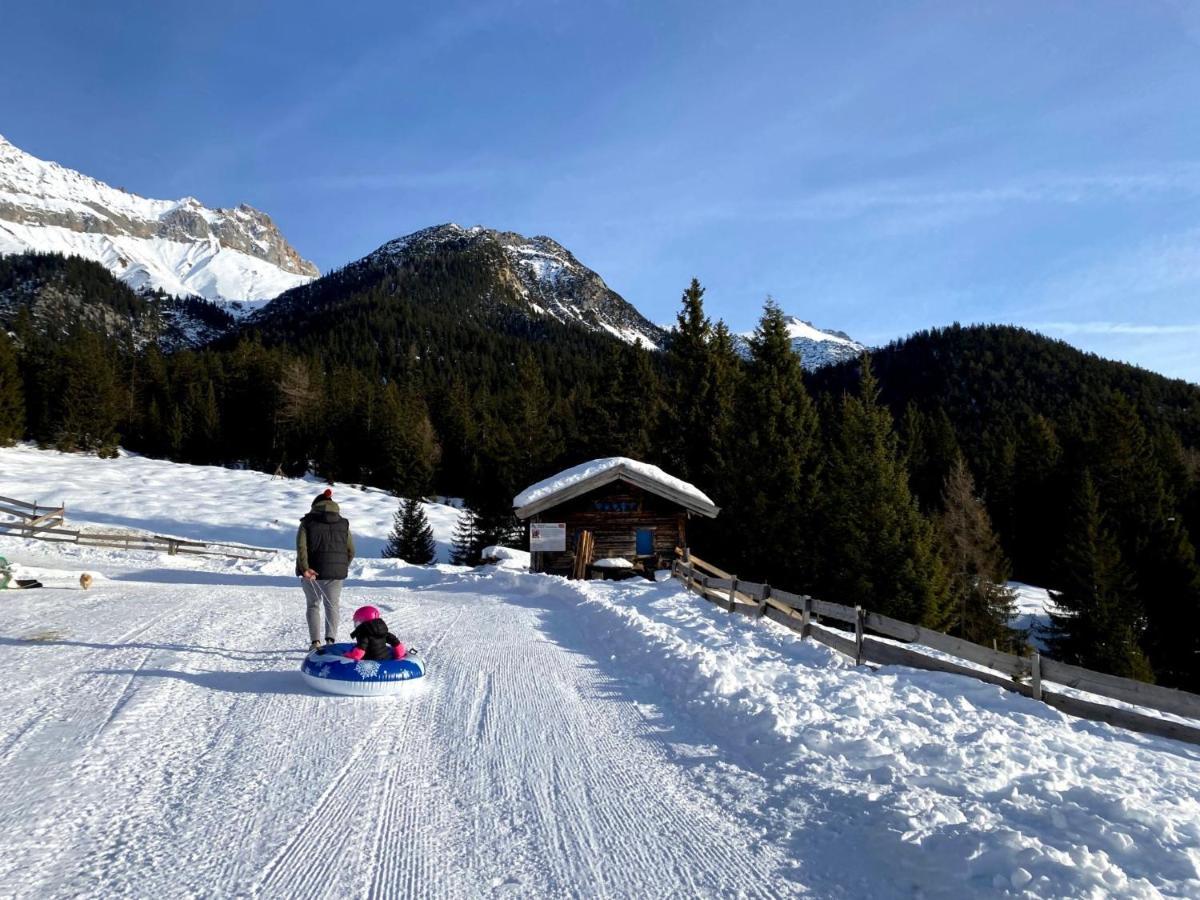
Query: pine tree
[[12, 397], [689, 363], [1099, 624], [879, 551], [405, 445], [980, 604], [86, 402], [412, 537], [929, 448], [774, 480], [465, 544]]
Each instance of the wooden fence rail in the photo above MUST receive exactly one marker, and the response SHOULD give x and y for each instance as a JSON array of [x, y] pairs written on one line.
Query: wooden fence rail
[[1026, 675], [44, 523], [31, 516]]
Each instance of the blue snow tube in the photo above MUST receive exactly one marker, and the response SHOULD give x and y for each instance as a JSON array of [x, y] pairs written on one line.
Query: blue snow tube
[[333, 673]]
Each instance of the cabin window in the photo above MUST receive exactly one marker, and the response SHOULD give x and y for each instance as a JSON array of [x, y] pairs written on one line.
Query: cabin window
[[645, 542]]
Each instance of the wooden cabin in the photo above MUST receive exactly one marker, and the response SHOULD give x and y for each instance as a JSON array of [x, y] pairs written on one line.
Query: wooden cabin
[[609, 518]]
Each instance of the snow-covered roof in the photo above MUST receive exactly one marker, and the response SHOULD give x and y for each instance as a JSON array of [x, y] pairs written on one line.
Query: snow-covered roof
[[590, 475]]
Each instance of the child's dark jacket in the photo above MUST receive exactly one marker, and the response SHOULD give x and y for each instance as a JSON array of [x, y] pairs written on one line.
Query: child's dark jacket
[[374, 639]]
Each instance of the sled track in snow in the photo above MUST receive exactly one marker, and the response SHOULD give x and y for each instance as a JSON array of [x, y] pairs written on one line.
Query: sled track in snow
[[301, 866], [206, 767]]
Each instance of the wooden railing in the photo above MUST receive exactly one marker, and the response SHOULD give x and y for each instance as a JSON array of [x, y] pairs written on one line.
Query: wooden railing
[[31, 517], [42, 523], [1034, 675]]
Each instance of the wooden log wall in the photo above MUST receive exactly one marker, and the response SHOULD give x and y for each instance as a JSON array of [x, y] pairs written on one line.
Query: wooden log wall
[[613, 514]]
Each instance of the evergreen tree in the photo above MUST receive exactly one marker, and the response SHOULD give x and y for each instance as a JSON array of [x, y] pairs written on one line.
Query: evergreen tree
[[1099, 625], [980, 603], [406, 448], [1134, 497], [929, 448], [1040, 496], [465, 543], [879, 551], [774, 481], [12, 397], [689, 363], [86, 402], [412, 537]]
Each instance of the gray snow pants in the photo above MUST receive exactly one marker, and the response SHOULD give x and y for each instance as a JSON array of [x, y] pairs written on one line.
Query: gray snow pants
[[333, 593]]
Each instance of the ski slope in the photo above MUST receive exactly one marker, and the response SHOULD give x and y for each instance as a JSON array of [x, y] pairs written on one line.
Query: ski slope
[[574, 739]]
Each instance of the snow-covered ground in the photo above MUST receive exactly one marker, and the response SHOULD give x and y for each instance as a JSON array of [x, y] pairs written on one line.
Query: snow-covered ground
[[201, 502], [618, 739]]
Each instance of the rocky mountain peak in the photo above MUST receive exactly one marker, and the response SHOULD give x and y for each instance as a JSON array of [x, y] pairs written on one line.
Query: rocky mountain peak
[[546, 276], [179, 246]]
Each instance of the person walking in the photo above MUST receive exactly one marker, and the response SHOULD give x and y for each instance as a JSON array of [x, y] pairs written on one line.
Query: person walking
[[324, 549]]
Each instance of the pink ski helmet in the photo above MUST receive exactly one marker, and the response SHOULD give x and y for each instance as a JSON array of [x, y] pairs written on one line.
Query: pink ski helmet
[[365, 614]]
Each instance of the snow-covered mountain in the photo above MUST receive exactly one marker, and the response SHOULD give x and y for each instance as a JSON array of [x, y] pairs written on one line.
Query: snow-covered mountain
[[539, 270], [815, 346], [179, 246]]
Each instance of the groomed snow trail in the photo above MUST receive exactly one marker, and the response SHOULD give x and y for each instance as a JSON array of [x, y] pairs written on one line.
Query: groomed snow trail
[[622, 740], [163, 744]]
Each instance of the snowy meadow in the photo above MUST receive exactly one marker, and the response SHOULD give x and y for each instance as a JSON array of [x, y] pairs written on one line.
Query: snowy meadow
[[619, 739]]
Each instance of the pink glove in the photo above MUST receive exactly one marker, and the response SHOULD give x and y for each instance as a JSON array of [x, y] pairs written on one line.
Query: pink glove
[[399, 651], [356, 653]]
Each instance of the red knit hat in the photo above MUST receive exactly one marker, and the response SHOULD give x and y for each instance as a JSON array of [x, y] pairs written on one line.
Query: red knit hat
[[329, 493]]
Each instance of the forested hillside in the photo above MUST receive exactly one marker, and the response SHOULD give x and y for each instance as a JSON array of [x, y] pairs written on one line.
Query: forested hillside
[[913, 483]]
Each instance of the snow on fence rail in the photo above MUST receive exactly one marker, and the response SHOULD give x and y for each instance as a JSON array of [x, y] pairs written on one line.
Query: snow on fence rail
[[1026, 675], [42, 523]]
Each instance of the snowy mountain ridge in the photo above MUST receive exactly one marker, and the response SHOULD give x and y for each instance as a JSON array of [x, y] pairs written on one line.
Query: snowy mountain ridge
[[816, 347], [178, 246], [545, 274]]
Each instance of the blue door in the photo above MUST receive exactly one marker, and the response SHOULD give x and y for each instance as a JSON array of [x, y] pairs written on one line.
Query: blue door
[[645, 542]]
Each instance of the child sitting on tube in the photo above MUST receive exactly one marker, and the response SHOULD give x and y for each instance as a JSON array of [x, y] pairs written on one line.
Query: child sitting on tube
[[372, 638]]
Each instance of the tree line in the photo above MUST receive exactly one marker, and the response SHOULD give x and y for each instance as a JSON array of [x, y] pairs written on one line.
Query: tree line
[[914, 495]]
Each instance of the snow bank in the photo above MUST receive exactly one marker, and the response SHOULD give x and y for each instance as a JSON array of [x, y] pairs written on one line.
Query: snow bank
[[584, 471], [902, 782]]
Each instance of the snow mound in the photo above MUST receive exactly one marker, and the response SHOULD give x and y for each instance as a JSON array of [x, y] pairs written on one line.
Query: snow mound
[[506, 557]]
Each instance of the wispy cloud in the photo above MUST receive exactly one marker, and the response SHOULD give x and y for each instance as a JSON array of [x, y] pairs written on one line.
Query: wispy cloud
[[946, 203]]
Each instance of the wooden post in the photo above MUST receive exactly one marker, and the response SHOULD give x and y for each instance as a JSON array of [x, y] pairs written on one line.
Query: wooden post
[[732, 593], [859, 615], [762, 606], [1035, 676], [806, 617]]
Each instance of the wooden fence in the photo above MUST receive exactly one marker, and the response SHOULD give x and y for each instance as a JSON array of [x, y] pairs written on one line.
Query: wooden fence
[[31, 517], [1034, 676], [42, 523]]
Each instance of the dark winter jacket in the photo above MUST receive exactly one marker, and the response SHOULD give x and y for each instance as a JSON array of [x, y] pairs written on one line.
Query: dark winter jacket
[[323, 542], [374, 639]]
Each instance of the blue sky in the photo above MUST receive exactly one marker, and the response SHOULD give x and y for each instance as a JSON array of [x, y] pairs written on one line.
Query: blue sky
[[876, 167]]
